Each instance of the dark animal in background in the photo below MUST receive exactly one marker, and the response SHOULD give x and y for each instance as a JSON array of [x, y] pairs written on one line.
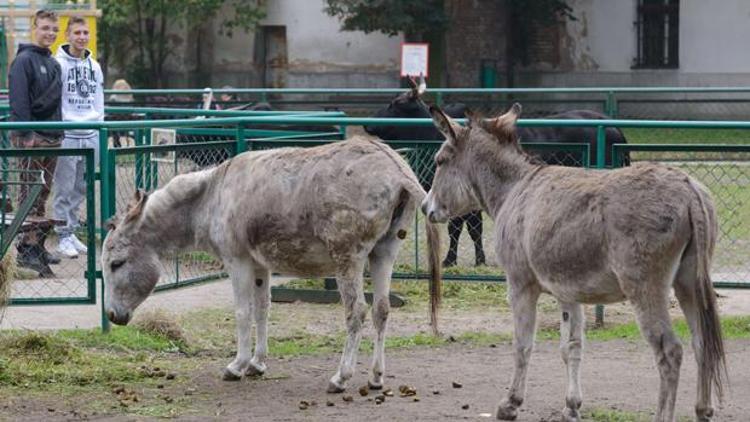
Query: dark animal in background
[[410, 105], [572, 135]]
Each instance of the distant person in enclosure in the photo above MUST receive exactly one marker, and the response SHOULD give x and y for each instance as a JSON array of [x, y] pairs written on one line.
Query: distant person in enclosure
[[118, 135], [121, 85], [225, 99], [82, 101], [35, 88]]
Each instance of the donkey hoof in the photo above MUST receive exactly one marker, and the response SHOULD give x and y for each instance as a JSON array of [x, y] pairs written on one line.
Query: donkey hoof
[[255, 370], [570, 415], [374, 386], [334, 388], [704, 415], [507, 413], [228, 375]]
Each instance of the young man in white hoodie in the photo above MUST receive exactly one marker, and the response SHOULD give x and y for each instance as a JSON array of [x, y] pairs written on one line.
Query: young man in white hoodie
[[82, 101]]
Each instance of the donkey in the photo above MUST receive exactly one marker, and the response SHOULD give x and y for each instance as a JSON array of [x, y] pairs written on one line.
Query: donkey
[[308, 212], [588, 236]]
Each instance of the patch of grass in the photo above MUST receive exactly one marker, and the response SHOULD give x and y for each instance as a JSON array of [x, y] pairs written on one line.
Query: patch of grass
[[733, 328], [120, 339], [49, 361], [456, 294], [686, 136], [608, 415]]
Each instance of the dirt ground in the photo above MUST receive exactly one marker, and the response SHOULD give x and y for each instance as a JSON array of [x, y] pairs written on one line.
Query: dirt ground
[[616, 375]]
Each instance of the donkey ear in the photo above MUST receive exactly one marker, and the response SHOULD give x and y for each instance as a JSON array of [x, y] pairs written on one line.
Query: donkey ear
[[136, 207], [504, 126], [445, 125], [422, 85]]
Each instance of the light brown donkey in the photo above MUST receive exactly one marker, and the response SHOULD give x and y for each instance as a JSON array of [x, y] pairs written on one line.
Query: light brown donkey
[[308, 212], [587, 236]]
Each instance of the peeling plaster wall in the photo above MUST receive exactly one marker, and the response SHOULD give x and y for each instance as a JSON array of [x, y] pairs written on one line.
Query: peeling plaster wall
[[598, 49], [320, 55]]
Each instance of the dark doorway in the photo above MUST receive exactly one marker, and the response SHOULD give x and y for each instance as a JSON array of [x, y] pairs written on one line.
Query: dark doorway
[[271, 55]]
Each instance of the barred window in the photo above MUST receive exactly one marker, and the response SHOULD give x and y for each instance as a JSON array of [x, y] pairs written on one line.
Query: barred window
[[658, 29]]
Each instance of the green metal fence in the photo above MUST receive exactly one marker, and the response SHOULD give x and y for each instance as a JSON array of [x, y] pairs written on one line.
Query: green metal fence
[[73, 280], [663, 103], [724, 169]]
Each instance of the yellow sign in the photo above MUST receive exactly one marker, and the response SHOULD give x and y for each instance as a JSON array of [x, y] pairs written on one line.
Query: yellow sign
[[62, 39]]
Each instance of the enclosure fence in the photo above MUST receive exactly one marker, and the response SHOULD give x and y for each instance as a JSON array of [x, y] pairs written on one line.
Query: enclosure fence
[[716, 153]]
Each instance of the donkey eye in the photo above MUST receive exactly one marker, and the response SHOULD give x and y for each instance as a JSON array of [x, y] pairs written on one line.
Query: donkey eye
[[116, 264]]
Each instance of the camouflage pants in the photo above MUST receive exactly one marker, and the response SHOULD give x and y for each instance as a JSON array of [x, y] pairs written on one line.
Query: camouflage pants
[[47, 165]]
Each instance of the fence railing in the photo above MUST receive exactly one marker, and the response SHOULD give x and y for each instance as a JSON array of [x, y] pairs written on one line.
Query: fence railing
[[724, 169]]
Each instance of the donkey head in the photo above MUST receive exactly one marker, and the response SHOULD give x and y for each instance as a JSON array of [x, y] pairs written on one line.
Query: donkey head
[[453, 190], [129, 267], [408, 105]]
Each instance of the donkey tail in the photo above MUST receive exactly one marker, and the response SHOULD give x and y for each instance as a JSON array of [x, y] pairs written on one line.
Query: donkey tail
[[433, 250], [433, 253], [712, 365]]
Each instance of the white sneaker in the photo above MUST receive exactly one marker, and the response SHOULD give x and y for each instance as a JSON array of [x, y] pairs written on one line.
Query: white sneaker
[[79, 246], [67, 248]]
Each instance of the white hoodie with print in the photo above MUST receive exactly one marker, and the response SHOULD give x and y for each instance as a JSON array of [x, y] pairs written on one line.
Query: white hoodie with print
[[83, 90]]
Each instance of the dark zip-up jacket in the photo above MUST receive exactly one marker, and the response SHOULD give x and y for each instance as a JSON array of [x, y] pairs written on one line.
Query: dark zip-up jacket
[[35, 89]]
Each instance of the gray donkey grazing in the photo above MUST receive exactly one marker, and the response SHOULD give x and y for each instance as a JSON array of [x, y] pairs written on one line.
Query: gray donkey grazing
[[587, 236], [308, 212]]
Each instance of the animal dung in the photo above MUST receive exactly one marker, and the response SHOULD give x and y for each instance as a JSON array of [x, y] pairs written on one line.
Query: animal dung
[[407, 391], [388, 392], [347, 398], [364, 391], [457, 384]]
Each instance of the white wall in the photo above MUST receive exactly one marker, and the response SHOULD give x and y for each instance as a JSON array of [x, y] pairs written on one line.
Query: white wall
[[317, 46], [713, 36]]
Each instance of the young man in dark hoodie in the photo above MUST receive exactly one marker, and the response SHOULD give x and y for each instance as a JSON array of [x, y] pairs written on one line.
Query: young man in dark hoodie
[[35, 90]]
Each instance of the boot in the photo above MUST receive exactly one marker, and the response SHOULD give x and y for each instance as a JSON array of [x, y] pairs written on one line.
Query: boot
[[49, 258], [32, 257], [479, 258], [450, 260]]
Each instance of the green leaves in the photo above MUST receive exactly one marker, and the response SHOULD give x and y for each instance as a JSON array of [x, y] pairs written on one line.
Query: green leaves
[[389, 16], [138, 36]]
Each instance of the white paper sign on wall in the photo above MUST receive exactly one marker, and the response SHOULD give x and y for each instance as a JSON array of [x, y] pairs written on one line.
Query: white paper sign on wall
[[414, 59]]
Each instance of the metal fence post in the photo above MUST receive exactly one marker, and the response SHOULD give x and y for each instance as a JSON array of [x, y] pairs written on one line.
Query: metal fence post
[[106, 188], [601, 149], [240, 147]]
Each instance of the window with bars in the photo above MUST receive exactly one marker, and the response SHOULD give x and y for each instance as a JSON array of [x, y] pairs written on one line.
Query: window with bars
[[658, 29]]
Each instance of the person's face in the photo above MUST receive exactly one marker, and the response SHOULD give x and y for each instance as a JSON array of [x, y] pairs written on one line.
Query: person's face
[[226, 97], [78, 37], [45, 32]]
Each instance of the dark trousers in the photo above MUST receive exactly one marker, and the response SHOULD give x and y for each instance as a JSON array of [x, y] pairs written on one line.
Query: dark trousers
[[47, 164]]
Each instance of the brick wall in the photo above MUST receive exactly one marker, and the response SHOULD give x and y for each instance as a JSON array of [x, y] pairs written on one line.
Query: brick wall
[[476, 35]]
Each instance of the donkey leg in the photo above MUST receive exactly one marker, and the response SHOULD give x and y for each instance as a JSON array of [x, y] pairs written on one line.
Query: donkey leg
[[474, 226], [262, 306], [571, 348], [381, 266], [523, 299], [455, 225], [241, 272], [653, 318], [684, 289], [355, 307]]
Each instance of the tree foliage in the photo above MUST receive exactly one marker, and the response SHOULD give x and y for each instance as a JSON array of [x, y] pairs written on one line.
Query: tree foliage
[[136, 35], [389, 16], [529, 15], [429, 16]]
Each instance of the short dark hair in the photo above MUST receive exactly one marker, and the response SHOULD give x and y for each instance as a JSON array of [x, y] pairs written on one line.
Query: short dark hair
[[75, 20], [45, 14]]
